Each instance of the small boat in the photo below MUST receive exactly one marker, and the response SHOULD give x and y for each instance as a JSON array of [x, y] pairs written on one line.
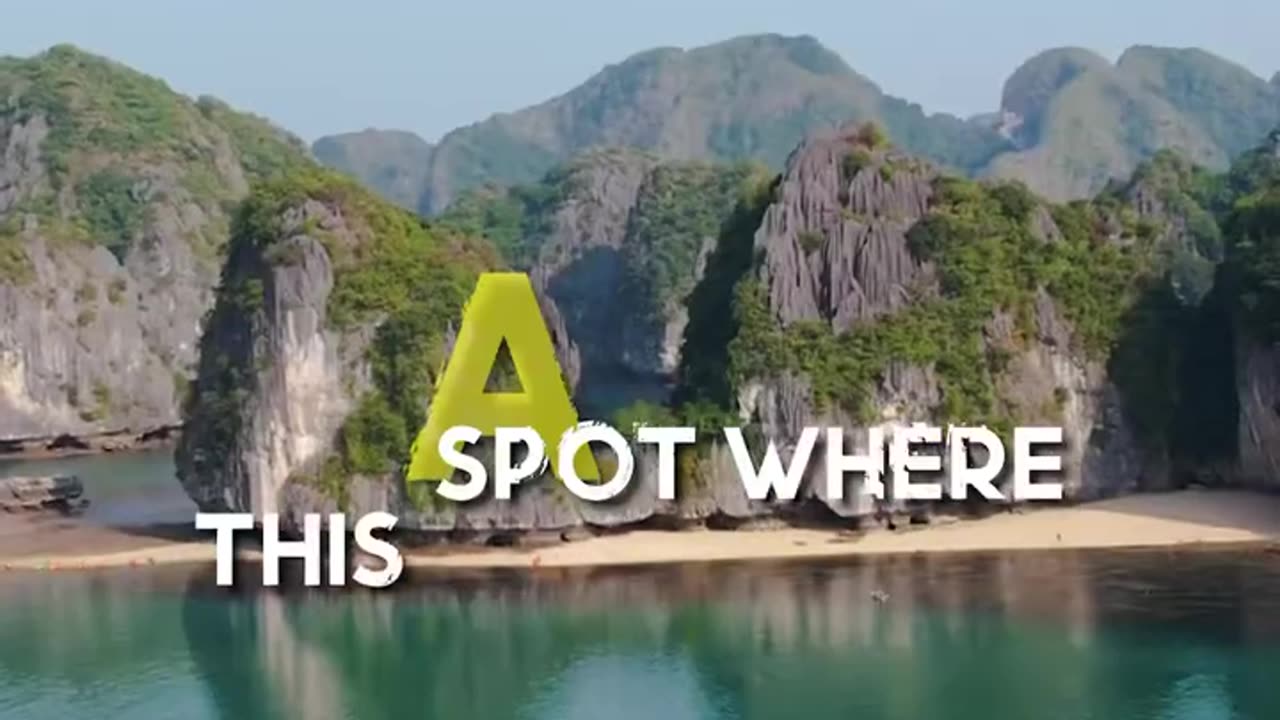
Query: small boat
[[56, 493]]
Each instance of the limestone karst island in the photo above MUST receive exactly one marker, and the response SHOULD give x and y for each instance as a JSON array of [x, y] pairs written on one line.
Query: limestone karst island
[[239, 245]]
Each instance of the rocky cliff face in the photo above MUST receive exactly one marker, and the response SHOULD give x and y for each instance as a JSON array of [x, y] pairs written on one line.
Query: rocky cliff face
[[580, 266], [835, 239], [289, 367], [1251, 248], [274, 385], [1258, 392], [838, 260], [861, 305], [615, 242], [113, 214]]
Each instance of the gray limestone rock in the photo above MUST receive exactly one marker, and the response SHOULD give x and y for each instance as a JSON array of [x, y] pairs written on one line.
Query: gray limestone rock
[[21, 168], [301, 378], [92, 339], [835, 190], [598, 294], [859, 205], [1258, 391], [275, 384]]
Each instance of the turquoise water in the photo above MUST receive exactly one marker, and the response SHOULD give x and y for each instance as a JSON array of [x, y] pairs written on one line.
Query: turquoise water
[[124, 489], [1063, 636]]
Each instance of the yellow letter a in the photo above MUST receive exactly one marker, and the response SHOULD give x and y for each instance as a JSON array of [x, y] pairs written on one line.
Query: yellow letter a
[[502, 307]]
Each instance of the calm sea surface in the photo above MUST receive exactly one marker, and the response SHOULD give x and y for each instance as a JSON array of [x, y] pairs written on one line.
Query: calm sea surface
[[124, 489], [1030, 636]]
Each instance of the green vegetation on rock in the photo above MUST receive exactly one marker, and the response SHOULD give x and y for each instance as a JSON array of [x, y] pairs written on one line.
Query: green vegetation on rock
[[1081, 121], [1233, 106], [113, 208], [1254, 261], [15, 264], [265, 151], [988, 260], [393, 272], [394, 163], [643, 413], [706, 391], [116, 138], [1070, 120], [515, 220], [679, 209], [91, 103]]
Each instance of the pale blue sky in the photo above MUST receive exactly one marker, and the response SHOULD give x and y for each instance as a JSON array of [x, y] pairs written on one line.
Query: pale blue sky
[[322, 66]]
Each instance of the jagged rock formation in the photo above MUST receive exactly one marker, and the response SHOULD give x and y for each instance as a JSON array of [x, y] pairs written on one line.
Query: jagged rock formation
[[580, 267], [1258, 391], [1198, 358], [615, 242], [863, 300], [1249, 226], [835, 238], [308, 390], [842, 258], [315, 361], [288, 410], [114, 197]]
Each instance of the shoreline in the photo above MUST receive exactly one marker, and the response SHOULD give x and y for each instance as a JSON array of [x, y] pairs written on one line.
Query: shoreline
[[1182, 519], [108, 442], [1189, 518]]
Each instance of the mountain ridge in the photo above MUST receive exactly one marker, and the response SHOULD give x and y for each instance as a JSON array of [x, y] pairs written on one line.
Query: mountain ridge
[[392, 162], [1069, 121], [115, 196], [701, 103]]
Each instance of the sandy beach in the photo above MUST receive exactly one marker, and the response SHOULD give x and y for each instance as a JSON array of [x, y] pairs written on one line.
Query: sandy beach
[[1156, 520]]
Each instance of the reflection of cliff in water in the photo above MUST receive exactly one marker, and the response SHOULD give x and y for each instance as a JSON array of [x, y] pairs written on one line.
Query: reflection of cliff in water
[[1104, 635], [250, 654]]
